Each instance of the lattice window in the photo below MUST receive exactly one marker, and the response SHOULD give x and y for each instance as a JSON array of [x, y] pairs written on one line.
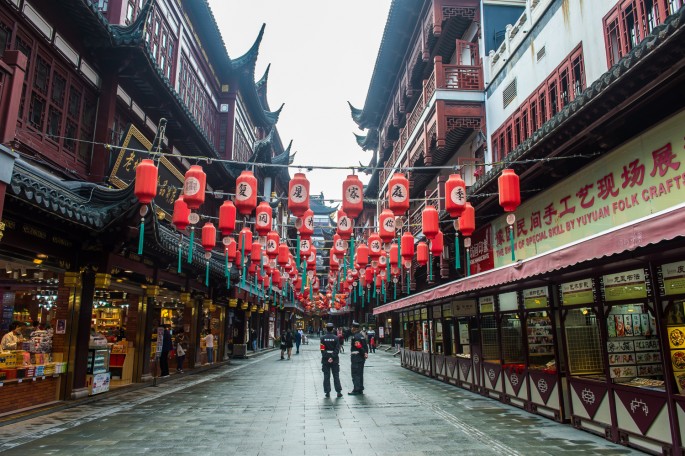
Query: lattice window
[[512, 339], [675, 5], [161, 42], [490, 338], [583, 342], [197, 101], [132, 10]]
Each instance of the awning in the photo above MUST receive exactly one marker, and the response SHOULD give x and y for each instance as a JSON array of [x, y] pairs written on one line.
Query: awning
[[661, 226]]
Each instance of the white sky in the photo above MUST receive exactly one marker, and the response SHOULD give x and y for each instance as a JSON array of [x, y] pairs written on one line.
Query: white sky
[[322, 54]]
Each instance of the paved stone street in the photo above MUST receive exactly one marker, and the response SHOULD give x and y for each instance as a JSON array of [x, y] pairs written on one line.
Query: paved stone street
[[265, 406]]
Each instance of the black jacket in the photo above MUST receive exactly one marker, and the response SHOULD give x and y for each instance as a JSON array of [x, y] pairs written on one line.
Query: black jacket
[[330, 349], [359, 347]]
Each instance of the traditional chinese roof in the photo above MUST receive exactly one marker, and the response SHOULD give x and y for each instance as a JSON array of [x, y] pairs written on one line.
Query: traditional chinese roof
[[646, 67], [356, 112], [368, 141], [317, 204], [261, 86]]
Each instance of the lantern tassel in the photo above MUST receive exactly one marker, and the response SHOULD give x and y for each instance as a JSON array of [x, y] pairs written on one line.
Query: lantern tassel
[[141, 235], [226, 271], [190, 245], [180, 255], [394, 292], [468, 263], [511, 242], [297, 256], [408, 281], [399, 254], [207, 275], [430, 267], [457, 255], [242, 258]]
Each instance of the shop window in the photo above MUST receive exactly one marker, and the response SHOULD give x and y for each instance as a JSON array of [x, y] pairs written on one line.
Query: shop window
[[584, 349], [197, 101], [490, 339], [553, 97], [5, 33], [512, 339], [540, 341], [675, 327]]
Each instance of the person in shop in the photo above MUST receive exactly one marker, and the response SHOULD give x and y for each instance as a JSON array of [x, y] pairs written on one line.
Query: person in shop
[[209, 341], [166, 348], [253, 338], [121, 333], [181, 344], [13, 339]]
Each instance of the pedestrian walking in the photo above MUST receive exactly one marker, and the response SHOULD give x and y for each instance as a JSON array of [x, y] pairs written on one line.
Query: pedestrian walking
[[358, 353], [253, 338], [287, 343], [341, 340], [330, 361], [372, 344], [284, 347], [298, 341], [166, 348], [181, 347], [209, 341]]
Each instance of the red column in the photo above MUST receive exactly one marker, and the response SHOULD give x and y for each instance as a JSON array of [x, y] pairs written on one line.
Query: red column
[[11, 97], [103, 125]]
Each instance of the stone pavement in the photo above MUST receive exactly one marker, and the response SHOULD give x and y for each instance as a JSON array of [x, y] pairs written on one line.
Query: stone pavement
[[265, 406]]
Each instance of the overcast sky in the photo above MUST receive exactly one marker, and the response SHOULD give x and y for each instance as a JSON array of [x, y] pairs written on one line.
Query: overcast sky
[[322, 54]]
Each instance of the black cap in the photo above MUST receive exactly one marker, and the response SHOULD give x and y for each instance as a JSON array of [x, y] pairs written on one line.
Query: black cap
[[330, 325], [355, 324]]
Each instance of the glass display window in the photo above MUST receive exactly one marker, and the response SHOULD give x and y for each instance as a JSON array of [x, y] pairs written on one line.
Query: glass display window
[[438, 345], [540, 338], [583, 343], [672, 285], [490, 338], [512, 339]]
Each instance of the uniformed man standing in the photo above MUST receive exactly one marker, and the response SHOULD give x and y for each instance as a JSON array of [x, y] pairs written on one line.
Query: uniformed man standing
[[330, 348], [359, 351]]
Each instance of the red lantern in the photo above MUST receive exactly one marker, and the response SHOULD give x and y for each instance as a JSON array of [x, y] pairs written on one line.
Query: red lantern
[[467, 221], [272, 240], [345, 225], [379, 282], [407, 246], [430, 221], [394, 255], [386, 225], [194, 187], [437, 244], [231, 251], [455, 195], [398, 194], [263, 218], [146, 181], [276, 278], [256, 253], [311, 259], [368, 276], [353, 196], [181, 214], [334, 263], [208, 237], [298, 194], [306, 224], [305, 247], [509, 190], [422, 253], [227, 218], [362, 255], [283, 255], [375, 246], [338, 245], [245, 239], [246, 193]]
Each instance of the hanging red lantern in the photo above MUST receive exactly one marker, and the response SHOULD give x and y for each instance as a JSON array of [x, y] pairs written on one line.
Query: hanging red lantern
[[353, 196], [407, 246], [437, 244], [311, 259], [194, 186], [231, 252], [263, 217], [334, 263], [379, 282], [430, 221], [305, 247], [509, 190], [256, 253], [394, 255], [283, 255], [455, 195], [422, 253], [246, 193], [386, 225], [362, 255], [227, 218], [338, 245], [368, 276], [208, 237], [276, 278], [181, 214], [298, 195], [375, 246], [305, 224], [398, 194], [272, 240], [345, 225], [245, 239], [146, 181], [467, 221]]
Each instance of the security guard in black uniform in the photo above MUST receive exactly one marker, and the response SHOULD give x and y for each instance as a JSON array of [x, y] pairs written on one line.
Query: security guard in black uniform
[[330, 348], [359, 351]]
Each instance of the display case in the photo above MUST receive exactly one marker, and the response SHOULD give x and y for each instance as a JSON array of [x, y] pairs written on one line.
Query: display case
[[98, 360]]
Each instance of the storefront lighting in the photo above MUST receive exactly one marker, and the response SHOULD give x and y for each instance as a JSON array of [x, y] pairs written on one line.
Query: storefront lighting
[[8, 268], [23, 272], [584, 310], [42, 256], [37, 261]]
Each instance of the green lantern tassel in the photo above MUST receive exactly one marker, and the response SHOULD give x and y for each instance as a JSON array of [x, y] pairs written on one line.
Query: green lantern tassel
[[352, 252], [511, 242], [373, 285], [226, 271], [362, 300], [399, 254], [394, 292], [141, 235], [228, 282], [430, 267], [191, 244], [180, 247], [297, 255], [468, 263], [457, 255], [408, 281], [207, 275], [242, 259]]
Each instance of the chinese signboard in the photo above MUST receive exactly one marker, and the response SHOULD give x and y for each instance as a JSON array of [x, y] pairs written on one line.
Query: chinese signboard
[[169, 180], [535, 298], [578, 292], [636, 180], [626, 285], [673, 276], [482, 256], [487, 304], [508, 301]]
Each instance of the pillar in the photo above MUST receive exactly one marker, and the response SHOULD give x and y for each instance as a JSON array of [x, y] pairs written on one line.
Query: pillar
[[11, 95], [147, 323], [105, 119], [81, 315]]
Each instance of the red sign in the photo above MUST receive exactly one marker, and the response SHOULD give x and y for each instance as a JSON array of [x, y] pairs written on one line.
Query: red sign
[[482, 258]]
